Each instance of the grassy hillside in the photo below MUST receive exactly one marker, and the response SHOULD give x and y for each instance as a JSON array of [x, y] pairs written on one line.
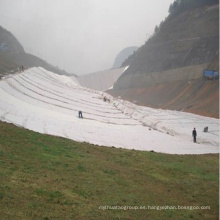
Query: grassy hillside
[[45, 177]]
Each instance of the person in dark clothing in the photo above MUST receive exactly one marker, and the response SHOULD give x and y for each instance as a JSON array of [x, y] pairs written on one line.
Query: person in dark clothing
[[194, 134], [80, 114]]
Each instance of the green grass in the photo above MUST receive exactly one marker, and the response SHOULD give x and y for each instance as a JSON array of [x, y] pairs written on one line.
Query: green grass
[[46, 177]]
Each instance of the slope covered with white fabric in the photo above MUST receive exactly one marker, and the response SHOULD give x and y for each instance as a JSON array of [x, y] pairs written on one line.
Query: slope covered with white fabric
[[48, 103]]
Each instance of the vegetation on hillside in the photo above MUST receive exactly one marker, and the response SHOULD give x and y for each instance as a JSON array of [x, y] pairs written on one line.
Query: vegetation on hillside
[[9, 43], [45, 177], [188, 36], [179, 6], [13, 56]]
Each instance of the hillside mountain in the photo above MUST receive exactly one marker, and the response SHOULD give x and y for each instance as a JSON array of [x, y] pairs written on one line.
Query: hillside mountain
[[9, 43], [13, 56], [123, 55], [167, 71]]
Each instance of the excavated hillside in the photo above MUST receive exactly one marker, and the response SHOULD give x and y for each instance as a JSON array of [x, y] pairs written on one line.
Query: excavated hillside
[[167, 72]]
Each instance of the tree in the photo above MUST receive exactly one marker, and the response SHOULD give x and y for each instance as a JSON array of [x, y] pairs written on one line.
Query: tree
[[182, 5]]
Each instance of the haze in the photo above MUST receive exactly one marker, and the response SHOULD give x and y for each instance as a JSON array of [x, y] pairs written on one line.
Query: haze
[[81, 36]]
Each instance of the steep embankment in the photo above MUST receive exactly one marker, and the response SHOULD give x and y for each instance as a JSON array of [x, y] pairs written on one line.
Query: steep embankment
[[180, 89], [167, 72], [197, 96]]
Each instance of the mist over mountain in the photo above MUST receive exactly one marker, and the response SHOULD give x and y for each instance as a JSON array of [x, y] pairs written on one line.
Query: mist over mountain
[[166, 72], [123, 55], [13, 56]]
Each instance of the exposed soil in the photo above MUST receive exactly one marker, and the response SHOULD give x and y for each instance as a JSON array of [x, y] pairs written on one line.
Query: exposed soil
[[197, 96]]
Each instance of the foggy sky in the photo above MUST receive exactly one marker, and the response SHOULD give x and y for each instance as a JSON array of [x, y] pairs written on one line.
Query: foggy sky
[[81, 36]]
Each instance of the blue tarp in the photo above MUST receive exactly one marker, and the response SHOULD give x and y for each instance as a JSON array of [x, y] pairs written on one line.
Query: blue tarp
[[211, 74]]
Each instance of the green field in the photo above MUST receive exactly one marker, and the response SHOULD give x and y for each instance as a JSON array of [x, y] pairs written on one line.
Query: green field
[[46, 177]]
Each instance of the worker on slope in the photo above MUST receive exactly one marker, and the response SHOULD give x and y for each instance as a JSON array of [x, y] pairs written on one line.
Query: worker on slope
[[194, 134], [80, 114]]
